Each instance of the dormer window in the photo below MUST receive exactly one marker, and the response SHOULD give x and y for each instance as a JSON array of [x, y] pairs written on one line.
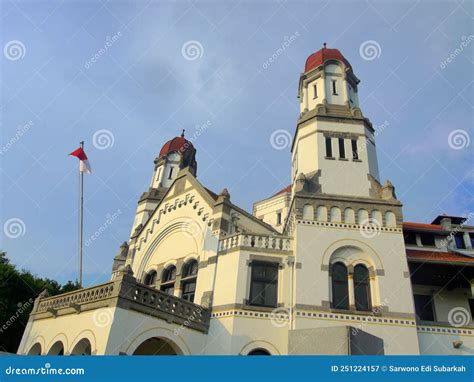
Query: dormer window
[[427, 239], [334, 90]]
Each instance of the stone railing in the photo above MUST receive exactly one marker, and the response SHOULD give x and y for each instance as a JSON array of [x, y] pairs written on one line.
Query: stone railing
[[272, 243], [126, 293]]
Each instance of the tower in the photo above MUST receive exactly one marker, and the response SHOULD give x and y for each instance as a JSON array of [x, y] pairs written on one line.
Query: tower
[[346, 225], [176, 154], [334, 146]]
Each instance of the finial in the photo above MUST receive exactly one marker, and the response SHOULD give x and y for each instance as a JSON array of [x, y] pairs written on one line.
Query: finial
[[182, 134], [324, 46]]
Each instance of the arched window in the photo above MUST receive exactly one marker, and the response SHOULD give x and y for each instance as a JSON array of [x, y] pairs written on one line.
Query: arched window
[[362, 287], [335, 214], [150, 278], [167, 280], [259, 351], [308, 212], [340, 287], [188, 280], [322, 214]]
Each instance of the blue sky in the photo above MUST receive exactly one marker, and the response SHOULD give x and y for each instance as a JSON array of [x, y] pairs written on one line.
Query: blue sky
[[144, 88]]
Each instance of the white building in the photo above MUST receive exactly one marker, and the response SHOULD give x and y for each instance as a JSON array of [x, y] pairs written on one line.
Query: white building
[[321, 267]]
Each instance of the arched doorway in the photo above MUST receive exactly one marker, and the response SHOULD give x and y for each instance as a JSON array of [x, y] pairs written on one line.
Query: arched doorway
[[56, 349], [35, 349], [83, 347], [259, 351], [156, 346]]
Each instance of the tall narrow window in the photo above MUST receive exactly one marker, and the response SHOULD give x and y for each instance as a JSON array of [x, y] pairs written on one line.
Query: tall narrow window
[[328, 147], [150, 278], [263, 284], [188, 281], [342, 150], [315, 91], [334, 90], [362, 288], [167, 280], [158, 174], [340, 287], [171, 173], [424, 307], [278, 218], [459, 240], [355, 151]]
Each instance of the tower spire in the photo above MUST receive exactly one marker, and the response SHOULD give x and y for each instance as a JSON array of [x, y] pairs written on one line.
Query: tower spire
[[182, 134]]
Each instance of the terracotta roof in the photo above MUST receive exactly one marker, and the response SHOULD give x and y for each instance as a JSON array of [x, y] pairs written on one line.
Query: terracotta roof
[[180, 144], [284, 190], [422, 226], [438, 257], [323, 55]]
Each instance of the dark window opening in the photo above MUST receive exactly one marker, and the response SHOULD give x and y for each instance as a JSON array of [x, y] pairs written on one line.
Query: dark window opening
[[278, 218], [471, 238], [355, 151], [410, 238], [259, 352], [340, 287], [334, 90], [167, 280], [263, 285], [471, 306], [424, 307], [427, 239], [150, 278], [171, 173], [362, 288], [342, 149], [189, 278], [459, 239], [328, 147], [315, 88]]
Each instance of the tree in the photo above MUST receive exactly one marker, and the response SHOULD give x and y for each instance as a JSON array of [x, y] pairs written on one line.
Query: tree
[[18, 290]]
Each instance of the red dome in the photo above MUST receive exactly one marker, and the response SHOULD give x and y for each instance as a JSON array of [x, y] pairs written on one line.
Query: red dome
[[323, 55], [177, 144]]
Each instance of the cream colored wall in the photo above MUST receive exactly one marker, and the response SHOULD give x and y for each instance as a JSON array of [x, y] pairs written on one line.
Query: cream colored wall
[[70, 329], [267, 210], [339, 177], [442, 343], [397, 339]]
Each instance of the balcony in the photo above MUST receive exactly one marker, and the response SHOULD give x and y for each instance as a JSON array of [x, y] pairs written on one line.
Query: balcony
[[265, 243], [126, 293]]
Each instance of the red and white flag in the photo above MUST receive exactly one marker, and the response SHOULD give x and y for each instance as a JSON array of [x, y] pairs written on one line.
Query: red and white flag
[[84, 165]]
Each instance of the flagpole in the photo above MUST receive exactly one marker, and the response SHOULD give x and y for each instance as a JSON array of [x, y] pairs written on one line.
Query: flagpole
[[81, 218]]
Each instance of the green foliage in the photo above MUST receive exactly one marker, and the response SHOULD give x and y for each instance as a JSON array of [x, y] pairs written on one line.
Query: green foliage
[[18, 290]]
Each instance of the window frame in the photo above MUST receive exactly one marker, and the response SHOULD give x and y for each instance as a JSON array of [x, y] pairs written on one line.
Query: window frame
[[344, 282], [328, 143], [342, 148], [365, 284], [355, 149], [150, 278], [315, 91], [263, 280], [168, 280], [189, 277], [334, 89], [430, 303]]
